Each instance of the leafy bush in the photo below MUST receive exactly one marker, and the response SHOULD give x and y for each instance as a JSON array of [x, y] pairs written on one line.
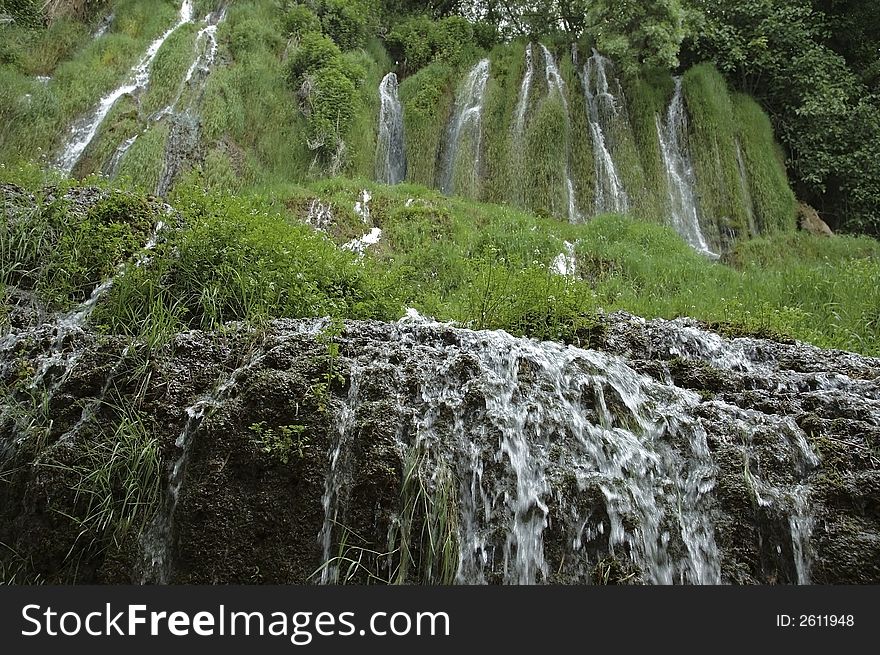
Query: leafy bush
[[250, 36], [331, 106], [315, 51], [419, 41], [344, 21], [300, 20]]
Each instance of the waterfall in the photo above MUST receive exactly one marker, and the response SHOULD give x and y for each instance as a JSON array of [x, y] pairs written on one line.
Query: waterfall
[[565, 263], [466, 120], [183, 137], [556, 85], [333, 486], [522, 103], [444, 454], [546, 441], [517, 163], [67, 324], [680, 177], [85, 129], [103, 26], [157, 540], [391, 153], [601, 110]]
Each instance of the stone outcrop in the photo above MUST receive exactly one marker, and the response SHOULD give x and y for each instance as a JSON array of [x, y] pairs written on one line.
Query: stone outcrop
[[423, 452], [809, 221]]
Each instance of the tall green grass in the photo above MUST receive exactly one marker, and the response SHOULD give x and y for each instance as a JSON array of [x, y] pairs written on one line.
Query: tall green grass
[[488, 266]]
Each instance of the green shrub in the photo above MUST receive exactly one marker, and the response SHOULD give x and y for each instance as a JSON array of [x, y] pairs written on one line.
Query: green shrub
[[251, 36], [300, 20], [331, 106], [344, 21], [314, 52]]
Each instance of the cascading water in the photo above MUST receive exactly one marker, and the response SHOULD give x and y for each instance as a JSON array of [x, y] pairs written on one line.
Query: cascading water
[[103, 26], [680, 178], [73, 322], [391, 153], [183, 137], [157, 540], [83, 131], [556, 85], [346, 423], [601, 110], [466, 121], [522, 103], [518, 160], [452, 455], [565, 263], [542, 436]]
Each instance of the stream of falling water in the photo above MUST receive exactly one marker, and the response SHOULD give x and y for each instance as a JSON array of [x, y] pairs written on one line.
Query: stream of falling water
[[680, 180], [601, 109], [182, 143], [84, 130], [391, 151], [522, 103], [541, 435], [556, 85], [59, 361], [466, 120], [744, 190], [346, 423], [157, 540]]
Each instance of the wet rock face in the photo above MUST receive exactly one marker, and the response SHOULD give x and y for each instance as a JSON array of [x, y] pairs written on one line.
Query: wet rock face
[[422, 452]]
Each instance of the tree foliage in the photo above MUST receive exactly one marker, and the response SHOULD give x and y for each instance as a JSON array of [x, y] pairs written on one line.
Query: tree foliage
[[823, 112], [638, 34]]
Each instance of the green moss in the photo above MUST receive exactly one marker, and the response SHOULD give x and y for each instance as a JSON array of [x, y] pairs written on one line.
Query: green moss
[[546, 136], [647, 99], [427, 100], [772, 198], [713, 132], [505, 72]]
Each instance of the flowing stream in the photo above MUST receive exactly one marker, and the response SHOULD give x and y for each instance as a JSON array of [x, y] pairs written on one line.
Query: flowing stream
[[466, 121]]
